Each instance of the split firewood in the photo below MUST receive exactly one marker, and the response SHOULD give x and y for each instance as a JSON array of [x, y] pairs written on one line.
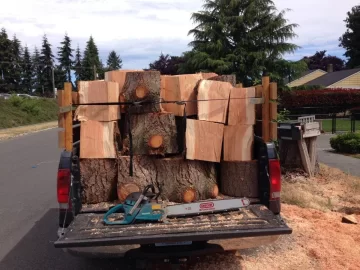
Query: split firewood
[[241, 111], [203, 140], [213, 100], [225, 78], [152, 134], [239, 179], [238, 143], [98, 180], [98, 92], [181, 88], [99, 139]]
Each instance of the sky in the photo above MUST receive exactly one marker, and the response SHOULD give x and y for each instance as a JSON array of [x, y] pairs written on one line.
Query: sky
[[139, 30]]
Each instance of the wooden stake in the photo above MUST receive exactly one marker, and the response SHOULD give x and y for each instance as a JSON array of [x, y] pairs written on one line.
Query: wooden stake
[[305, 156], [68, 117], [312, 152], [273, 111], [266, 109], [258, 111]]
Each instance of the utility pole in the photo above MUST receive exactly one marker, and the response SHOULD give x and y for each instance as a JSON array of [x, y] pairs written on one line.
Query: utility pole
[[53, 81], [95, 73]]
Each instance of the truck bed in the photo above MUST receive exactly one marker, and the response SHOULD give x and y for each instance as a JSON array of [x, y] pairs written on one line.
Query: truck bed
[[88, 229]]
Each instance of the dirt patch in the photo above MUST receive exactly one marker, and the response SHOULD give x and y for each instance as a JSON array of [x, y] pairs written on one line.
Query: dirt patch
[[8, 133], [314, 209]]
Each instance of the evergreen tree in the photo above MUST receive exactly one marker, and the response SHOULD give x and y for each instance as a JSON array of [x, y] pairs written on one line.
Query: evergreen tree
[[46, 62], [60, 77], [14, 81], [27, 72], [37, 72], [90, 60], [5, 61], [114, 61], [65, 57], [77, 62], [350, 40], [240, 36]]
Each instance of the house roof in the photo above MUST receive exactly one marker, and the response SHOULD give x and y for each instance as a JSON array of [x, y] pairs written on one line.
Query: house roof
[[303, 75], [333, 77]]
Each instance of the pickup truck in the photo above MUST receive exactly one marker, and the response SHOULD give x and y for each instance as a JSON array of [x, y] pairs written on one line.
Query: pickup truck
[[82, 231]]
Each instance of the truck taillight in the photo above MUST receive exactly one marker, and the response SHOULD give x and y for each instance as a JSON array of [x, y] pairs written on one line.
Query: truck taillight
[[63, 185], [275, 179]]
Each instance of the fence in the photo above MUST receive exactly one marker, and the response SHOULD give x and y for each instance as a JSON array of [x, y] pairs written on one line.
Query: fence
[[334, 123]]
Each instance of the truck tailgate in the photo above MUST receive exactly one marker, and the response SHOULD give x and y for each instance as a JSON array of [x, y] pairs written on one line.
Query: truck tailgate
[[88, 229]]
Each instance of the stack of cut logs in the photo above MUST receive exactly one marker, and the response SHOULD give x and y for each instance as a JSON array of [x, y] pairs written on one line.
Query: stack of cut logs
[[201, 136]]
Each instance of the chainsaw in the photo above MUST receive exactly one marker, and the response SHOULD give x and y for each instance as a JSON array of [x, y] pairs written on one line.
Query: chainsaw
[[144, 206]]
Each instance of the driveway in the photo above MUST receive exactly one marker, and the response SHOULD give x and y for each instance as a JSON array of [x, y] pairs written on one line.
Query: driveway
[[347, 164]]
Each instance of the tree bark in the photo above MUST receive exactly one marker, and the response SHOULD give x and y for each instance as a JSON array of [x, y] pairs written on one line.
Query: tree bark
[[225, 78], [179, 180], [152, 134], [239, 179], [98, 180], [142, 86]]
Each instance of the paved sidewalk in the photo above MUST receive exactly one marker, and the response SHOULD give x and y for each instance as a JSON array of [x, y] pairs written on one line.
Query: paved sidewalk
[[347, 164]]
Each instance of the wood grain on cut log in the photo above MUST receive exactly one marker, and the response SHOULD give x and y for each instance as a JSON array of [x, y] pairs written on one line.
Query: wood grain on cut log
[[119, 76], [213, 100], [241, 111], [153, 134], [125, 189], [225, 78], [239, 179], [98, 180], [203, 140], [238, 143], [179, 180], [181, 88], [98, 92], [99, 139], [143, 86]]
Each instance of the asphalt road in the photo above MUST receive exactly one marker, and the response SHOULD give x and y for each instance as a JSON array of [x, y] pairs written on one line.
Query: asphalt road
[[28, 214]]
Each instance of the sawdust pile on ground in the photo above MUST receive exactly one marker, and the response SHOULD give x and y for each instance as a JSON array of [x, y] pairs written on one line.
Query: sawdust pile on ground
[[320, 240]]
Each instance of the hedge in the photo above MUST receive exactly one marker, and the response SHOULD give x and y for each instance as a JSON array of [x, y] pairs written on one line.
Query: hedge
[[346, 143], [330, 100]]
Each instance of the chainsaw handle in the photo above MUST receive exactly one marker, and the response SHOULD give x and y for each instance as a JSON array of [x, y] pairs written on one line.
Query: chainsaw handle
[[115, 209], [146, 189]]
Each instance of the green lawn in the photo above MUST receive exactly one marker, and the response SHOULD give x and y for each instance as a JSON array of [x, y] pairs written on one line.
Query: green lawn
[[18, 111], [341, 125]]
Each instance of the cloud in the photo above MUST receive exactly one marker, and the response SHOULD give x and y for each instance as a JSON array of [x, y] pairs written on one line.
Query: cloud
[[140, 29]]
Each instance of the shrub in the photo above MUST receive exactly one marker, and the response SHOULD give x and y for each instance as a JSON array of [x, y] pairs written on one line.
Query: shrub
[[326, 100], [346, 143]]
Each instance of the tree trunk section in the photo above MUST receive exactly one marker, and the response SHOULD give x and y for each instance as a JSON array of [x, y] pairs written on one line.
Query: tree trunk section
[[152, 134], [179, 180], [239, 179], [213, 101], [225, 78], [98, 180], [142, 86]]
